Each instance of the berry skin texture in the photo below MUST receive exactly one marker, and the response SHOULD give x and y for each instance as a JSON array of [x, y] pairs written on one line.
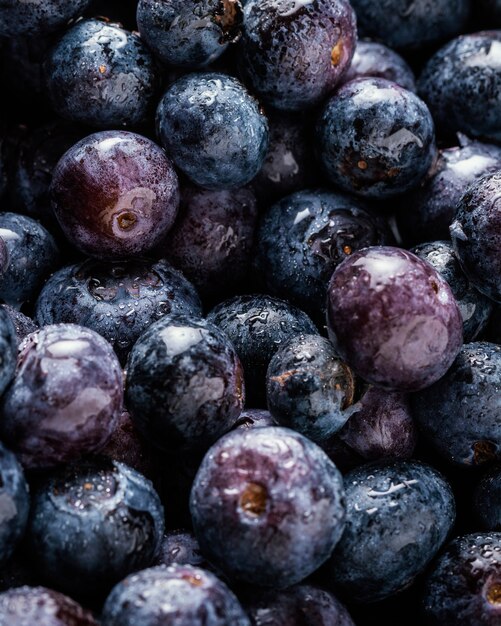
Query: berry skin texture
[[213, 130], [398, 515], [115, 195], [464, 586], [267, 506], [8, 349], [393, 318], [487, 500], [293, 53], [37, 18]]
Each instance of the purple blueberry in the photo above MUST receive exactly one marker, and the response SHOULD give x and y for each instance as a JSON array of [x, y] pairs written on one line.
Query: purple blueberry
[[393, 318], [115, 194]]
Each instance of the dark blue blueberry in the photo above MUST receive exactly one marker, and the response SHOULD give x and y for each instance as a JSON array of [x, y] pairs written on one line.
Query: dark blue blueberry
[[32, 256], [397, 518], [464, 586], [475, 308], [92, 524], [267, 506], [65, 398], [301, 605], [117, 300], [115, 195], [459, 414], [184, 383], [257, 325], [18, 17], [411, 24], [487, 500], [180, 595], [377, 60], [101, 75], [426, 213], [309, 388], [255, 418], [294, 52], [8, 349], [27, 606], [393, 318], [213, 130], [189, 33], [476, 234], [180, 547], [14, 504], [305, 236], [211, 241], [23, 324], [375, 138], [460, 84]]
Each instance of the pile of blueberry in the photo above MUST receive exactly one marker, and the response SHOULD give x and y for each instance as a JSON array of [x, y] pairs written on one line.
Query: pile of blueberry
[[250, 312]]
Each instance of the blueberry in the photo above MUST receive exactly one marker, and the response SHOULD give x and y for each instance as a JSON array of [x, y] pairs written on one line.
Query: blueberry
[[293, 53], [184, 383], [459, 414], [189, 33], [303, 237], [25, 606], [8, 349], [476, 235], [101, 75], [398, 516], [464, 585], [255, 418], [487, 500], [14, 503], [181, 594], [309, 388], [267, 506], [23, 324], [92, 524], [393, 318], [65, 397], [32, 255], [375, 138], [180, 547], [257, 325], [115, 194], [213, 130], [475, 308], [117, 300], [39, 18]]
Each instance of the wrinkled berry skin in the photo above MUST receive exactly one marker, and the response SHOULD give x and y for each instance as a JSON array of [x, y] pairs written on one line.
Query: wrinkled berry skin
[[309, 388], [8, 349], [14, 502], [464, 584], [101, 75], [408, 26], [476, 234], [211, 241], [65, 397], [460, 84], [375, 139], [301, 605], [213, 130], [26, 606], [459, 414], [475, 308], [180, 595], [426, 213], [487, 500], [393, 318], [303, 237], [294, 53], [92, 524], [398, 516], [32, 255], [23, 325], [267, 506], [187, 33], [117, 300], [115, 194], [257, 325], [184, 383], [37, 18], [377, 60]]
